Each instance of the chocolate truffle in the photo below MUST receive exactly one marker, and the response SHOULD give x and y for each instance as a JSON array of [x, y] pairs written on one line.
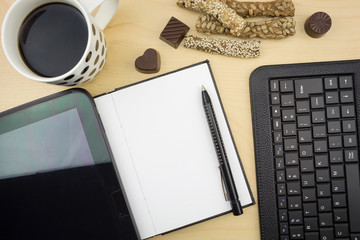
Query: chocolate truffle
[[317, 24]]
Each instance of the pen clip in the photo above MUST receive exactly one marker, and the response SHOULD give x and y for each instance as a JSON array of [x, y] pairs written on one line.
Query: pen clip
[[226, 194]]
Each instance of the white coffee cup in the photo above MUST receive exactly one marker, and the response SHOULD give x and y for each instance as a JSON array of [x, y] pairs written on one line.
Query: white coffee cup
[[94, 57]]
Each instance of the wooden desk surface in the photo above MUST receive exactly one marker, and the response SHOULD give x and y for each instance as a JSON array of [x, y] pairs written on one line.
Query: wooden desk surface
[[137, 26]]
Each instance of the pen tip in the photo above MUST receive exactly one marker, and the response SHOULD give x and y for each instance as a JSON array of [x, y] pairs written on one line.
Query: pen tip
[[203, 88]]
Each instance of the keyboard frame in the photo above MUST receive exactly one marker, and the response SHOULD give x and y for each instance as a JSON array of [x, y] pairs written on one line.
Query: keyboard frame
[[262, 129]]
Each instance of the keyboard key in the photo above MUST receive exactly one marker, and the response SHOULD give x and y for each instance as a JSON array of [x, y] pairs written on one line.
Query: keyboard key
[[320, 146], [276, 124], [324, 205], [349, 126], [336, 156], [280, 176], [279, 163], [355, 236], [331, 97], [283, 215], [289, 129], [292, 173], [325, 220], [312, 236], [290, 144], [291, 159], [318, 117], [346, 96], [302, 107], [321, 161], [319, 131], [334, 127], [278, 149], [286, 86], [346, 82], [274, 85], [277, 137], [331, 83], [341, 230], [281, 189], [310, 209], [322, 175], [308, 180], [339, 200], [351, 155], [311, 224], [296, 232], [293, 188], [304, 87], [284, 228], [333, 112], [308, 195], [275, 98], [350, 141], [304, 136], [288, 115], [337, 171], [353, 192], [303, 121], [305, 150], [340, 215], [338, 185], [348, 111], [335, 141], [287, 100], [284, 237], [327, 234], [282, 202], [306, 166], [323, 190], [294, 203], [275, 111], [295, 217], [317, 102]]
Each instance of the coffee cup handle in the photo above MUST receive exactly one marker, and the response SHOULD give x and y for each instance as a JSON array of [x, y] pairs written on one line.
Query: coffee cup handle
[[106, 10]]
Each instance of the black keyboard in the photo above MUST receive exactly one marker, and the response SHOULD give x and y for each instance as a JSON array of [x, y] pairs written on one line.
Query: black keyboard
[[311, 114]]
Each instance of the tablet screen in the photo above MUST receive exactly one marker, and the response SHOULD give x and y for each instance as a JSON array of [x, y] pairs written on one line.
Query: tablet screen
[[57, 177], [51, 144]]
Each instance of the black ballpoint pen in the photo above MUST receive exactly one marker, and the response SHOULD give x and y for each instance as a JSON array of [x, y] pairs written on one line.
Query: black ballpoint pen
[[225, 170]]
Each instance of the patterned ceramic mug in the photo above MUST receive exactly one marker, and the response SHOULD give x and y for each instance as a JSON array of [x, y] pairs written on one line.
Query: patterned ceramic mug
[[93, 58]]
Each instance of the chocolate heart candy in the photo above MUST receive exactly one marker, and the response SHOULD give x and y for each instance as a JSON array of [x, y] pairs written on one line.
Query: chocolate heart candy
[[149, 62]]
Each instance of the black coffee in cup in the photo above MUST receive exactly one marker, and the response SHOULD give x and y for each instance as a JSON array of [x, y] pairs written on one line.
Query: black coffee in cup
[[53, 39]]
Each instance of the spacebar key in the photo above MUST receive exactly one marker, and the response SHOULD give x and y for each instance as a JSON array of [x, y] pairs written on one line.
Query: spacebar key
[[353, 191]]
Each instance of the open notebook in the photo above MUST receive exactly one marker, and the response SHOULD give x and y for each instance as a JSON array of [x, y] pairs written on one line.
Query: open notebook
[[164, 152]]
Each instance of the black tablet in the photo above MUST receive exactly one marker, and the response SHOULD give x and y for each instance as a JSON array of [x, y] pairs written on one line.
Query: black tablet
[[57, 176]]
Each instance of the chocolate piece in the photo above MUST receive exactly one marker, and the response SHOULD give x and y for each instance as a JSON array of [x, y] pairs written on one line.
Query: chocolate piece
[[149, 62], [174, 32], [275, 28], [317, 24], [232, 48]]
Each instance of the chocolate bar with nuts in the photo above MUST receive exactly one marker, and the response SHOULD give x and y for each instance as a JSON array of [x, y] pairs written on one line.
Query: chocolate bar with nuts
[[232, 48], [218, 10], [277, 8], [275, 28]]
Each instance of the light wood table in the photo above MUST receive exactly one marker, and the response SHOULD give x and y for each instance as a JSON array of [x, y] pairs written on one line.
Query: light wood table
[[137, 26]]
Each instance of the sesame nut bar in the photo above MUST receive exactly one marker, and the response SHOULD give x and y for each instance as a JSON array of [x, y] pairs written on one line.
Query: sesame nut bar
[[232, 48], [275, 28], [219, 10], [277, 8]]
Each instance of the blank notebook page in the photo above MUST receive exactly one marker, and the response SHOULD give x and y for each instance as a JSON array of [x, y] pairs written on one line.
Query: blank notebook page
[[164, 152]]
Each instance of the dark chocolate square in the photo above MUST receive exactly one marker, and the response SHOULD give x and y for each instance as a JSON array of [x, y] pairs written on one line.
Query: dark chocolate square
[[174, 32]]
